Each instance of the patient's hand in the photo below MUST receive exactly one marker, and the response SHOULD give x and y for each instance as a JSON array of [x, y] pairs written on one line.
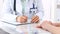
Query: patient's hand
[[21, 19], [56, 24], [54, 28], [35, 19]]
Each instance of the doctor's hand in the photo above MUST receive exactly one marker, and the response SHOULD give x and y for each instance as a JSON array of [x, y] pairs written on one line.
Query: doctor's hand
[[21, 19], [35, 19]]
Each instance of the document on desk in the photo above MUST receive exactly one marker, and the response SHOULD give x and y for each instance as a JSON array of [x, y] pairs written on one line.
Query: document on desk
[[16, 23]]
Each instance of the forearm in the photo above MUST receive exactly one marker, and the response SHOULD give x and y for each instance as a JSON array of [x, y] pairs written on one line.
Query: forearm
[[52, 29], [56, 24]]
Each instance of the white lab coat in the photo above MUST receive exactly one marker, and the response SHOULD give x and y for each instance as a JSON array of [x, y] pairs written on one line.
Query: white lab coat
[[7, 16], [7, 8]]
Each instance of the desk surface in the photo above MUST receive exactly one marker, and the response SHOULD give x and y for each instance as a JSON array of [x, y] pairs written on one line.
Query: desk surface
[[31, 28], [22, 28]]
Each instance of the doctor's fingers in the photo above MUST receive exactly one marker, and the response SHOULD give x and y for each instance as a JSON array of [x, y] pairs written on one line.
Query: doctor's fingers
[[23, 21], [36, 19], [24, 17]]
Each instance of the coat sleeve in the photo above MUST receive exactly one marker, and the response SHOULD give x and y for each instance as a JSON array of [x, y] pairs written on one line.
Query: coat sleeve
[[40, 9], [5, 12]]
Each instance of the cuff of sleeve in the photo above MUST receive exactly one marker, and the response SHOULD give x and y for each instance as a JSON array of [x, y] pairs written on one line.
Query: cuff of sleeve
[[40, 15]]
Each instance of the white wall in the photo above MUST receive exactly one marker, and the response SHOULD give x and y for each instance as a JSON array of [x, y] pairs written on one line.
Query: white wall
[[53, 9], [1, 3], [47, 9]]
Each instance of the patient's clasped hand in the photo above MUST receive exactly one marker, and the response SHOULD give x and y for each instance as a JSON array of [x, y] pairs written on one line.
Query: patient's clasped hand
[[54, 28]]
